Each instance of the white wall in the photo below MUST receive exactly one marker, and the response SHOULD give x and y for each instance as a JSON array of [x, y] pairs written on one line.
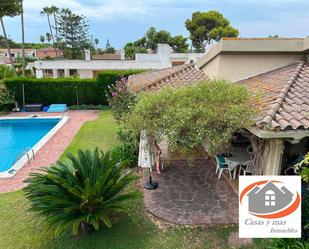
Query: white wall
[[161, 59], [85, 74], [237, 66]]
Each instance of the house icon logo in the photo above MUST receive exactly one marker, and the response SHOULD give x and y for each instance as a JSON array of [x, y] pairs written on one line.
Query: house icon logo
[[269, 206], [270, 199]]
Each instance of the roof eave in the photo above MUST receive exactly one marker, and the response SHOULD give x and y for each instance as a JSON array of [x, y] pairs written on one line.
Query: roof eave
[[295, 135]]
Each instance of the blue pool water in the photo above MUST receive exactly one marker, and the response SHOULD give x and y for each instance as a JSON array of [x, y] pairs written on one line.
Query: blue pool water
[[19, 134]]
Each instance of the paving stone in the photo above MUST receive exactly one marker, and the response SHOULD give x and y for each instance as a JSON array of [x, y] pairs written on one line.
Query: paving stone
[[195, 192]]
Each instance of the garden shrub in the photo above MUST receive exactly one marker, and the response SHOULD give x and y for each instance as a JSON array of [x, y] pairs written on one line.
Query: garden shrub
[[6, 99], [109, 77], [6, 72], [120, 98], [208, 111], [89, 107], [80, 193], [125, 151], [63, 90], [130, 141]]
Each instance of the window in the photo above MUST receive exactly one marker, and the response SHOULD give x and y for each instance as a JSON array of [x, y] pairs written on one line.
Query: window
[[270, 198]]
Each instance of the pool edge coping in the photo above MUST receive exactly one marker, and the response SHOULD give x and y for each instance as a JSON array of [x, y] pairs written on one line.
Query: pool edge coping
[[24, 159]]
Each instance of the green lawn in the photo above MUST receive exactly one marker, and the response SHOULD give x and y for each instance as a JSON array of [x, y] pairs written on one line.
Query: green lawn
[[98, 133], [19, 229]]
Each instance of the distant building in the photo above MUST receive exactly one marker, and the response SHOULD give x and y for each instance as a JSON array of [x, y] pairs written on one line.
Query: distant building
[[40, 53], [15, 53], [88, 68], [50, 52]]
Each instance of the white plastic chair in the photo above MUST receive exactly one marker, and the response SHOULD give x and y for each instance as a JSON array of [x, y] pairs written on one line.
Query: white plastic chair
[[222, 166], [248, 168]]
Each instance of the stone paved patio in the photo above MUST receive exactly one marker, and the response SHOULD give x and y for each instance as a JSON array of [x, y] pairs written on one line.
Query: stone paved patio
[[52, 150], [192, 195]]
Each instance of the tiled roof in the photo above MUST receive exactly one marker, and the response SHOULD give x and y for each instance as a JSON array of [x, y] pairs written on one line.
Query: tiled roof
[[177, 76], [281, 97]]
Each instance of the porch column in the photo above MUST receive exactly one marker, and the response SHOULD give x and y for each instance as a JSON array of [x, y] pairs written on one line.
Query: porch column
[[55, 73], [273, 157], [66, 73]]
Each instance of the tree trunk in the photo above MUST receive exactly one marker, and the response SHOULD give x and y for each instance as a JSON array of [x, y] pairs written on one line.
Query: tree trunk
[[23, 40], [50, 28], [56, 28], [7, 41]]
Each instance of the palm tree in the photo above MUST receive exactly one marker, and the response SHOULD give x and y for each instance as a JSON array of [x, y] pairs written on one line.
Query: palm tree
[[48, 37], [54, 10], [96, 41], [11, 9], [23, 39], [48, 12], [81, 192], [7, 41], [42, 39]]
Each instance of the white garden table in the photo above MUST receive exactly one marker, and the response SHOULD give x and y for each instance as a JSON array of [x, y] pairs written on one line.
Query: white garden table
[[239, 157]]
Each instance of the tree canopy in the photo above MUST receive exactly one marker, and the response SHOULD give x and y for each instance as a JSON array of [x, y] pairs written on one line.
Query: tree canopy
[[10, 8], [73, 34], [150, 40], [205, 27], [208, 111]]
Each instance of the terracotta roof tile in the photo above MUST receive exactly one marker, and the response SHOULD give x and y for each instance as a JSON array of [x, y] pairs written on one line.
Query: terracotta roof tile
[[281, 97], [177, 76]]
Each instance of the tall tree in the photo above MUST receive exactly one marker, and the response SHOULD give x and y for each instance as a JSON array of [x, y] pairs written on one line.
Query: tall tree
[[48, 37], [48, 11], [12, 44], [42, 39], [8, 8], [23, 39], [96, 41], [179, 44], [152, 38], [109, 49], [72, 32], [205, 27], [54, 10]]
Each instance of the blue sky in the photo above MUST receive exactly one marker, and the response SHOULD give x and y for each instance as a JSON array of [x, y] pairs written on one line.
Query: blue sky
[[122, 21]]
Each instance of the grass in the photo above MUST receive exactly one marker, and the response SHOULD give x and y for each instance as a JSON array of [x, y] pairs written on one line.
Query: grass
[[98, 133], [21, 230]]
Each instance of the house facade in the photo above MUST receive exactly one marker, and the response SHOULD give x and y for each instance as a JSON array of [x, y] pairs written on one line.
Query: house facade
[[88, 68], [41, 53], [235, 59], [276, 72]]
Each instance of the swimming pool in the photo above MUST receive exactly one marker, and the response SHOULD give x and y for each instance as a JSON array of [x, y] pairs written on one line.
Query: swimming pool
[[21, 135]]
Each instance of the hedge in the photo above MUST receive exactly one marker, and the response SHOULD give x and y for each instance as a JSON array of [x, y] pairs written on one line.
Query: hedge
[[63, 90]]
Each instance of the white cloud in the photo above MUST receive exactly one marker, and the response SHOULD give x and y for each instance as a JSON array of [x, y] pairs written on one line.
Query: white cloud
[[101, 10]]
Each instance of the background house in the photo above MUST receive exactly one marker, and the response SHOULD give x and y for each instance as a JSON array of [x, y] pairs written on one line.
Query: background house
[[235, 59], [88, 68]]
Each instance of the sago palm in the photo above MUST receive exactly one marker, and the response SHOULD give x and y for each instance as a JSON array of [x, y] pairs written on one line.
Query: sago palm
[[81, 192]]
